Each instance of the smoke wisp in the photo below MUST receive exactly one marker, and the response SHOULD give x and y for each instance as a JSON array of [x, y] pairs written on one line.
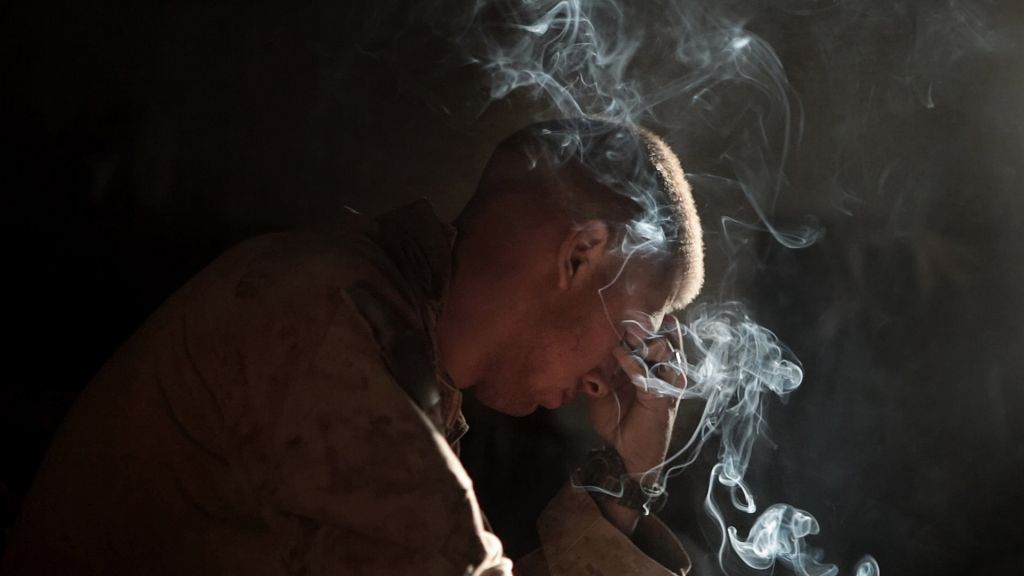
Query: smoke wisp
[[574, 56], [700, 69]]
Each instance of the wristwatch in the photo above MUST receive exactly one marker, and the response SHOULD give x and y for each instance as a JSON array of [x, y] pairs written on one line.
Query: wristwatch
[[603, 474]]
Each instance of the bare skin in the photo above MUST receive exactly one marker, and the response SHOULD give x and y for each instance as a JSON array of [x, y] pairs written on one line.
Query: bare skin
[[636, 421], [531, 320]]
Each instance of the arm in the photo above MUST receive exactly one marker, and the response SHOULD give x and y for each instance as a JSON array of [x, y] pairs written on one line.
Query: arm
[[585, 535]]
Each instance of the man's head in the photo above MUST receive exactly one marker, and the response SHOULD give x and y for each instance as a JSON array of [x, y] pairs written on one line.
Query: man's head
[[576, 227]]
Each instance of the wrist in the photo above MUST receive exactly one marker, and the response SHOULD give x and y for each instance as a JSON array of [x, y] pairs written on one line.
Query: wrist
[[622, 517], [624, 491]]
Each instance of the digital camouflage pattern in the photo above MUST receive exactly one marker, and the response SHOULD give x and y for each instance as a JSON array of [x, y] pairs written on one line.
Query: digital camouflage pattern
[[283, 413]]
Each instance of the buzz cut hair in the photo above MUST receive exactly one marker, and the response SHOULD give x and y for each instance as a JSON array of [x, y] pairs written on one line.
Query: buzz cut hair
[[621, 174]]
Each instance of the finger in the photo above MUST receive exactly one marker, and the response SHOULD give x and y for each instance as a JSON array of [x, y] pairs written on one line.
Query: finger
[[642, 379], [663, 364], [666, 368], [634, 339], [659, 350], [631, 363], [670, 373], [660, 376], [673, 329]]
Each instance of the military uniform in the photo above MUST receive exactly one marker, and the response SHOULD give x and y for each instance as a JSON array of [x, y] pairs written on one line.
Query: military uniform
[[284, 413]]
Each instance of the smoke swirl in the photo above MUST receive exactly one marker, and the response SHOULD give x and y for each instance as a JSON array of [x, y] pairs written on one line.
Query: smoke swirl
[[697, 68]]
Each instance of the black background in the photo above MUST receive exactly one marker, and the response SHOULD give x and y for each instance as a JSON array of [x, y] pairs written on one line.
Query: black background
[[142, 138]]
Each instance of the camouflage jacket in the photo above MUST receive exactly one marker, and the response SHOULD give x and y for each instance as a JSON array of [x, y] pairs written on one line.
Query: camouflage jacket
[[283, 413]]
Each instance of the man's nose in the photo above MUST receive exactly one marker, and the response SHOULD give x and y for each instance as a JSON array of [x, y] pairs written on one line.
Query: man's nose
[[595, 384]]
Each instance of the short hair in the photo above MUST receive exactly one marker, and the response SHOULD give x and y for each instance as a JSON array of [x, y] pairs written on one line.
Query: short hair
[[621, 174]]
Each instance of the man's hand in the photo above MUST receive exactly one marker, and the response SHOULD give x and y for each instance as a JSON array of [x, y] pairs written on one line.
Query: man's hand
[[634, 417]]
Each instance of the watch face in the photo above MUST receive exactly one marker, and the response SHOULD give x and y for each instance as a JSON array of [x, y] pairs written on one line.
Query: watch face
[[602, 465], [602, 475]]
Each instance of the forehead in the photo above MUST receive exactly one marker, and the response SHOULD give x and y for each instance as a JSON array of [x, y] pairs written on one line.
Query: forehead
[[641, 291]]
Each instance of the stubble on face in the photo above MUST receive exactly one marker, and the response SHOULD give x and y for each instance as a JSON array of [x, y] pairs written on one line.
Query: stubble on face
[[516, 377], [546, 365]]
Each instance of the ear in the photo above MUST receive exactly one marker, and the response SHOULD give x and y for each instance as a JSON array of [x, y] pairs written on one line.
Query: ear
[[581, 253]]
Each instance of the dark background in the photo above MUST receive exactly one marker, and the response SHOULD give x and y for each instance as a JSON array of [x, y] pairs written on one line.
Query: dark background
[[143, 138]]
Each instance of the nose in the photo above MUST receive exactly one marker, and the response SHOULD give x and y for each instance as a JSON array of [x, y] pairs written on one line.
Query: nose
[[595, 384]]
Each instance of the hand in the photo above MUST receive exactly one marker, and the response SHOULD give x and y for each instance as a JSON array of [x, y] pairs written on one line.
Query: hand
[[634, 417]]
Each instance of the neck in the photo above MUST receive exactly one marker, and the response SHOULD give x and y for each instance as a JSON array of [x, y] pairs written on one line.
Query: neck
[[457, 352]]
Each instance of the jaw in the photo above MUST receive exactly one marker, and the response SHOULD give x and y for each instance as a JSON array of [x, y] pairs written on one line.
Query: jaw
[[510, 405]]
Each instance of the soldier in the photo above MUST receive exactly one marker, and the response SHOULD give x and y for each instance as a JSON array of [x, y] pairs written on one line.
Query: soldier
[[295, 407]]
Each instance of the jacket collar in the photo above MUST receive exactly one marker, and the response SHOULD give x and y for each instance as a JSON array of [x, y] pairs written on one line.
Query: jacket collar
[[419, 248]]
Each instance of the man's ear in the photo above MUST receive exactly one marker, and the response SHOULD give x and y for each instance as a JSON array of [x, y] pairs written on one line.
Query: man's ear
[[582, 253]]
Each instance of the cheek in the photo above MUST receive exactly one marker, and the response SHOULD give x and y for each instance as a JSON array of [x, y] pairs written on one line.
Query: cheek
[[566, 347], [545, 365], [548, 356], [582, 349], [600, 332]]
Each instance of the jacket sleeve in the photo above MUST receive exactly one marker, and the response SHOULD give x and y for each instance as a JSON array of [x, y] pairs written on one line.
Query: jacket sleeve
[[576, 539], [344, 472]]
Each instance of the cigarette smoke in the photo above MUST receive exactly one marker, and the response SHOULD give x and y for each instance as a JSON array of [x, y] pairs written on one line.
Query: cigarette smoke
[[582, 58], [574, 56], [733, 363]]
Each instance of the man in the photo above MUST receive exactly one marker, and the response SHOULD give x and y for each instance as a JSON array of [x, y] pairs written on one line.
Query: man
[[294, 408]]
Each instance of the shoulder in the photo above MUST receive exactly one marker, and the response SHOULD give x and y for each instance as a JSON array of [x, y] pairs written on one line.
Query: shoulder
[[348, 447]]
